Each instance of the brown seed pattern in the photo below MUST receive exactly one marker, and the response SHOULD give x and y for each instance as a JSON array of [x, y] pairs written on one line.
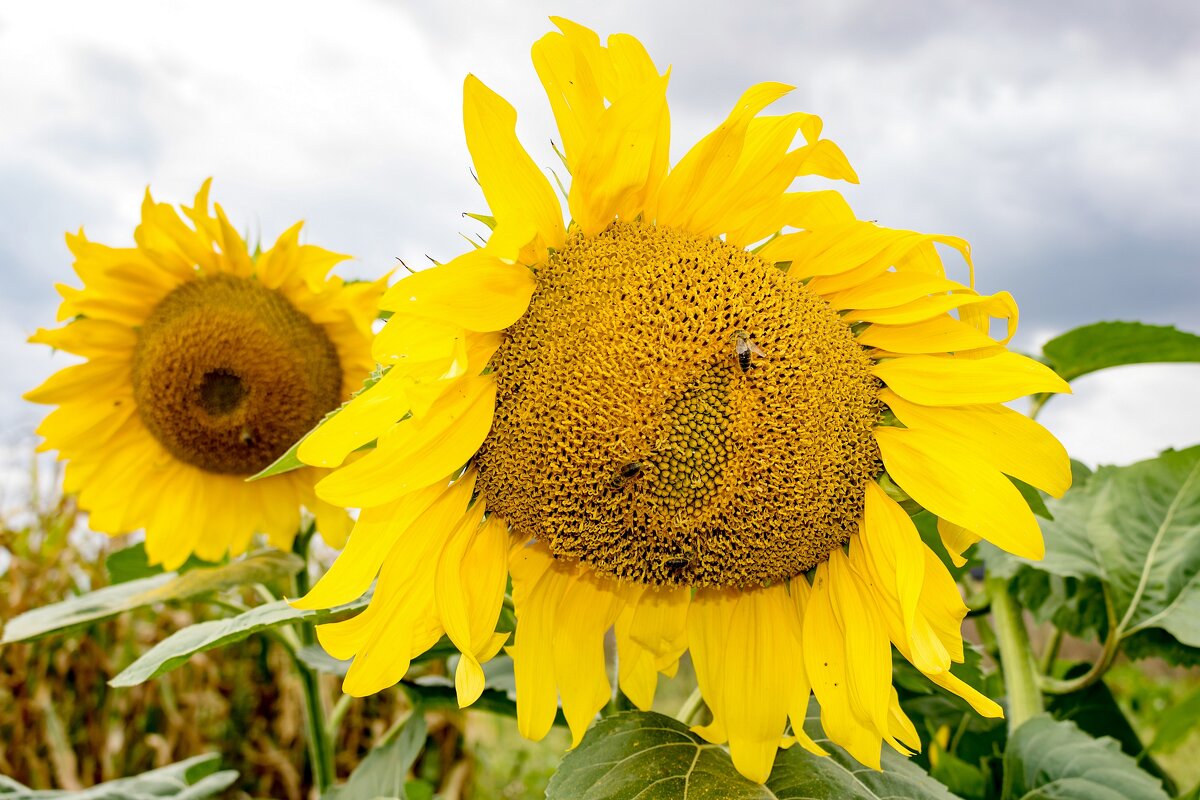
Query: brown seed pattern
[[633, 433], [227, 374]]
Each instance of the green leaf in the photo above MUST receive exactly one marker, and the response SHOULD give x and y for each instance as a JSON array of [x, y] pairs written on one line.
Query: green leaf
[[1177, 723], [1048, 759], [651, 757], [961, 778], [131, 563], [384, 772], [261, 567], [193, 779], [1111, 344], [1095, 711], [314, 657], [177, 648], [1033, 498], [1136, 530]]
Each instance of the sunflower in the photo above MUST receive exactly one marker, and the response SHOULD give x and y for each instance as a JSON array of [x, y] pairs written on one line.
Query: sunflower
[[691, 414], [204, 363]]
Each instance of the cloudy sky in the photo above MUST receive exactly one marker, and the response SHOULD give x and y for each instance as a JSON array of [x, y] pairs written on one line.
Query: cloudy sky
[[1059, 138]]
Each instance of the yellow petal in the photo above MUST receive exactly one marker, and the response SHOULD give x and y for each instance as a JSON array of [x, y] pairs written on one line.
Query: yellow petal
[[764, 171], [90, 338], [574, 96], [868, 655], [401, 620], [1000, 305], [961, 486], [471, 576], [1012, 442], [956, 539], [799, 686], [825, 660], [476, 291], [806, 210], [659, 622], [949, 381], [333, 523], [539, 585], [705, 170], [981, 703], [376, 532], [624, 161], [892, 547], [901, 727], [588, 608], [940, 334], [891, 289], [418, 452], [411, 339], [515, 189], [90, 379]]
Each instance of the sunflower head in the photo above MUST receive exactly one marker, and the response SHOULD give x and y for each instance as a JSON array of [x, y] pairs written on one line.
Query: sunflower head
[[673, 416], [204, 363]]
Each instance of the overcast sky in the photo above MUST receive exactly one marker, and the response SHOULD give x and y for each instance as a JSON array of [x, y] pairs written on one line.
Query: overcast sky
[[1059, 138]]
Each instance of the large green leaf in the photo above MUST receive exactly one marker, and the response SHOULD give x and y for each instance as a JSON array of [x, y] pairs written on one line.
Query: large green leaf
[[1136, 531], [262, 567], [651, 757], [1095, 711], [193, 779], [383, 774], [186, 642], [1111, 344], [1048, 759]]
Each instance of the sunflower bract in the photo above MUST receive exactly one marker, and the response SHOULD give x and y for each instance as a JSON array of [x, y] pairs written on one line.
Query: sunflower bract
[[674, 411]]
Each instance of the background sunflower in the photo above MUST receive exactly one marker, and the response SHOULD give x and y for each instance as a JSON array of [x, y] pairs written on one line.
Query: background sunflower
[[204, 363]]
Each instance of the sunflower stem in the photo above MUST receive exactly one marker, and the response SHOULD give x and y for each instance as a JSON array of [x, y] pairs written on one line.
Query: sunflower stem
[[1016, 656], [691, 707], [320, 748], [320, 752]]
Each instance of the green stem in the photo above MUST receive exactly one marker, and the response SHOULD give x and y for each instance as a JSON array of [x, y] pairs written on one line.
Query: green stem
[[1050, 653], [320, 751], [691, 707], [320, 748], [334, 723], [1020, 670], [1112, 646]]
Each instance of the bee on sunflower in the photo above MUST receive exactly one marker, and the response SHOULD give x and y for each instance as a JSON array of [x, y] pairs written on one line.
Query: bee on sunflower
[[204, 362], [690, 414]]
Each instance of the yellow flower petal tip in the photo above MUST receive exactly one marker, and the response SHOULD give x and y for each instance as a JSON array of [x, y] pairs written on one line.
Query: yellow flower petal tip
[[660, 415]]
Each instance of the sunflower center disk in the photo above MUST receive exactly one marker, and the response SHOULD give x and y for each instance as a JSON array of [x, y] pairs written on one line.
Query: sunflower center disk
[[675, 410], [227, 374]]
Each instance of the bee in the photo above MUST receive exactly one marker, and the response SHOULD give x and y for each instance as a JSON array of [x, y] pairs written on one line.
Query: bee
[[626, 474], [677, 563], [744, 348]]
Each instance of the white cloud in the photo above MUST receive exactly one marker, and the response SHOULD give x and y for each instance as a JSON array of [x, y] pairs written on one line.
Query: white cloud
[[1059, 138], [1127, 414]]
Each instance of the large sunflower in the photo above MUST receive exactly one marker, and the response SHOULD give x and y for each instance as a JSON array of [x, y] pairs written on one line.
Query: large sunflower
[[204, 363], [667, 418]]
